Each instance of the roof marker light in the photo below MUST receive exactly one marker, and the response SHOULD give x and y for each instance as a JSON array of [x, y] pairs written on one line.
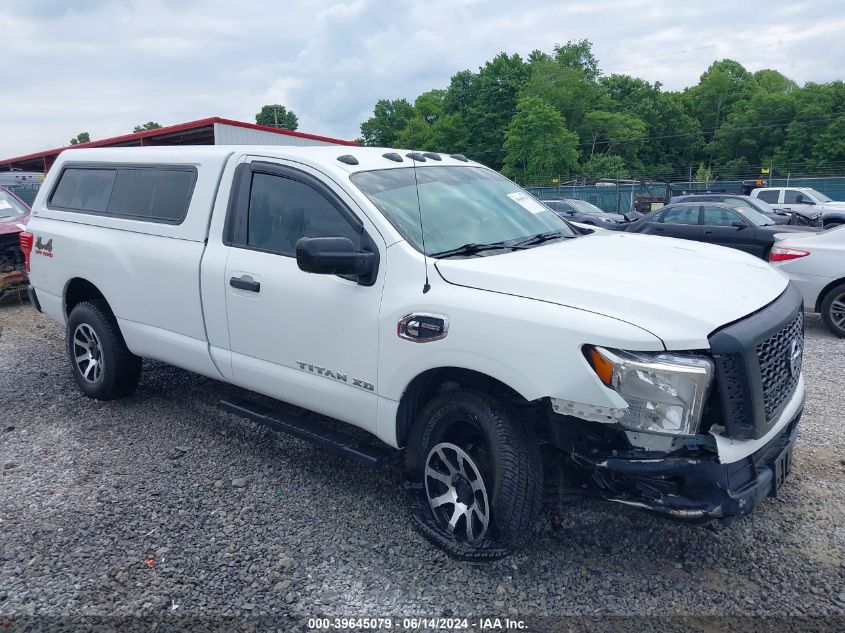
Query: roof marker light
[[396, 158], [349, 159]]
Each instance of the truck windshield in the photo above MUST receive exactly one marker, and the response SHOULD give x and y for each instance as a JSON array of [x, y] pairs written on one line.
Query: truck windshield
[[9, 205], [460, 206], [818, 195]]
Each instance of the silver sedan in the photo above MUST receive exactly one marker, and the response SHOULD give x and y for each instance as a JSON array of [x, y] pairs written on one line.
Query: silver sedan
[[816, 263]]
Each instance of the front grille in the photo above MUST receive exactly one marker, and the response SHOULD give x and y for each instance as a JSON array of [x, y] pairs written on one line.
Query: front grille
[[773, 354], [755, 376]]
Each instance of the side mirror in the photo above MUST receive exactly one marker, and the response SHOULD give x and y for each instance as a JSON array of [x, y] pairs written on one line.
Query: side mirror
[[739, 225], [335, 256], [805, 200]]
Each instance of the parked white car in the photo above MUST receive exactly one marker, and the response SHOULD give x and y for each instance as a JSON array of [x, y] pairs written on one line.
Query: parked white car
[[804, 200], [436, 305], [815, 262]]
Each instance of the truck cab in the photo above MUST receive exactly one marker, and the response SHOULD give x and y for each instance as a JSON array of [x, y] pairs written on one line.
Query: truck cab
[[806, 201], [429, 301]]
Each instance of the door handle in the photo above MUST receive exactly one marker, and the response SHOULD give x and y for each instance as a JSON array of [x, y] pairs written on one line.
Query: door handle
[[707, 232], [243, 283]]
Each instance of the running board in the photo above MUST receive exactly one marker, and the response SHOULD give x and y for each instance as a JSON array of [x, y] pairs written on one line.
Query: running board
[[319, 434]]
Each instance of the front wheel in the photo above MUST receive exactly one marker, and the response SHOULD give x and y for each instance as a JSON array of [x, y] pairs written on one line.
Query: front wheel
[[476, 476], [102, 365], [833, 310]]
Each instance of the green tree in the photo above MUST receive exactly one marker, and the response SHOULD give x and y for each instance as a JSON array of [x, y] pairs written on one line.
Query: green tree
[[415, 135], [430, 105], [150, 125], [566, 89], [579, 56], [618, 133], [277, 116], [722, 86], [449, 134], [486, 101], [538, 145], [388, 120], [603, 166], [82, 137]]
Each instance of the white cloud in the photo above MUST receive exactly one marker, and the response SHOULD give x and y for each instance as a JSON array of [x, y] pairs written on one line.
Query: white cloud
[[103, 67]]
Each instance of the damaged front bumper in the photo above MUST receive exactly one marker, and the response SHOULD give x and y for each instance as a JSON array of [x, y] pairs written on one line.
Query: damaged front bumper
[[695, 487]]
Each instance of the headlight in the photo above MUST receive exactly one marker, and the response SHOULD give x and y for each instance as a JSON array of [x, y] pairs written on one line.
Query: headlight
[[665, 392]]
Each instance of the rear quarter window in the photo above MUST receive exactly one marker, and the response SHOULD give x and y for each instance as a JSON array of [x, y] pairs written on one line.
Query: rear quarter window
[[768, 196], [147, 193]]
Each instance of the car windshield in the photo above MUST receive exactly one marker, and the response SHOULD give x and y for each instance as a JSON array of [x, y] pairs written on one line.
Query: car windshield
[[457, 206], [754, 216], [9, 205], [585, 207], [818, 195]]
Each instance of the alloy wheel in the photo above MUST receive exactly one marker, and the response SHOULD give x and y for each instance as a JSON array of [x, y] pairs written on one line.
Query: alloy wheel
[[456, 492], [87, 353]]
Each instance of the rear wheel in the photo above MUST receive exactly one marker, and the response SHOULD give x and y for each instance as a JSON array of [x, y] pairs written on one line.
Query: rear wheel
[[476, 476], [102, 365], [833, 310]]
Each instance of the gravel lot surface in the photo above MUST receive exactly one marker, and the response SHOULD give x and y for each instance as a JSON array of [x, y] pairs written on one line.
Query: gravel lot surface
[[163, 503]]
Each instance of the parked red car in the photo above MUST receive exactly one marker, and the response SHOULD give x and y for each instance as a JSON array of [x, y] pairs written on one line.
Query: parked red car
[[14, 214]]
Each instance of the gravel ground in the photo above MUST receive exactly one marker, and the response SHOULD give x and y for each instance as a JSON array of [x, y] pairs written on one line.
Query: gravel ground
[[162, 503]]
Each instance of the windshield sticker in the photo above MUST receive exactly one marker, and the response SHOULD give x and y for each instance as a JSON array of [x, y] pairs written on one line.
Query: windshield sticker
[[527, 202], [5, 205]]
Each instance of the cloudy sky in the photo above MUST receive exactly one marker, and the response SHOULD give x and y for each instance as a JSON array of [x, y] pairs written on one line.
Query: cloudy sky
[[105, 66]]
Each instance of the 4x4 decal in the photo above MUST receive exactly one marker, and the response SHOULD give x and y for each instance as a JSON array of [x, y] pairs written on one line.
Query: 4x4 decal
[[44, 248]]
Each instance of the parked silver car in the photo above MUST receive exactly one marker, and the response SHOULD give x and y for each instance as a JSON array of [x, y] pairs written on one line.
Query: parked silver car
[[816, 263]]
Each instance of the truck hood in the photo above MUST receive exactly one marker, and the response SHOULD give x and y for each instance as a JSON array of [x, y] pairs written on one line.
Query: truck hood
[[678, 290]]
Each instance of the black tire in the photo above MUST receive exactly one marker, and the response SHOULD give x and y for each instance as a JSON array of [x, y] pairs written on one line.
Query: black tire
[[831, 310], [505, 454], [831, 225], [115, 371]]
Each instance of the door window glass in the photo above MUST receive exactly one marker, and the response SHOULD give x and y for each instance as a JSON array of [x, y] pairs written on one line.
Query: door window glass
[[768, 196], [790, 196], [282, 210], [681, 215], [719, 216]]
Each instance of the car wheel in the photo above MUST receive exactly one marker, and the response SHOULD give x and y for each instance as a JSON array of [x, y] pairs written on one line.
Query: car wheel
[[102, 365], [475, 476], [833, 310], [831, 225]]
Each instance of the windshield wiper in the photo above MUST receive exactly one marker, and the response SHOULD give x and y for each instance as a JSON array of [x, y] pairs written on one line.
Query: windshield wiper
[[472, 248], [542, 237]]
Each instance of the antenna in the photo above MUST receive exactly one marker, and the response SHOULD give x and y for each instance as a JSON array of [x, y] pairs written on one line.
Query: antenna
[[426, 286]]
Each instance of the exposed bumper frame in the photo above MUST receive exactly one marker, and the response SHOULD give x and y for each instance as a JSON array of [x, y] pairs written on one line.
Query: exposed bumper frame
[[691, 488]]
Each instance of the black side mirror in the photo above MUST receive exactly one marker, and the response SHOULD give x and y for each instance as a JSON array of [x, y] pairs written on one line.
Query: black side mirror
[[739, 225], [335, 256]]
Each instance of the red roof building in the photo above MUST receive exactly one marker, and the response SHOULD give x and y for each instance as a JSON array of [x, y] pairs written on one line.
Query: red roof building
[[212, 131]]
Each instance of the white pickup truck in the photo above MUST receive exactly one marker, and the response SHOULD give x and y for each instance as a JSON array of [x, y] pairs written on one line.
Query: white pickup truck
[[433, 303]]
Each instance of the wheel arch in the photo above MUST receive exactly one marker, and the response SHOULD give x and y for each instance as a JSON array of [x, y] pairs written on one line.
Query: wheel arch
[[79, 289], [820, 299], [432, 382]]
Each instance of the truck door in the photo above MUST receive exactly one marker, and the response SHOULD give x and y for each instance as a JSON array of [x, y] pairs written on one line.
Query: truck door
[[799, 201], [307, 339]]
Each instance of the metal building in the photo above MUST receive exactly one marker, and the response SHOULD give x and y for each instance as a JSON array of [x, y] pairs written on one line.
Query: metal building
[[212, 131]]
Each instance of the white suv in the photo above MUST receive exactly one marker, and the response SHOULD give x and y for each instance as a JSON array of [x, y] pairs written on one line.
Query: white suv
[[434, 304], [806, 201]]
